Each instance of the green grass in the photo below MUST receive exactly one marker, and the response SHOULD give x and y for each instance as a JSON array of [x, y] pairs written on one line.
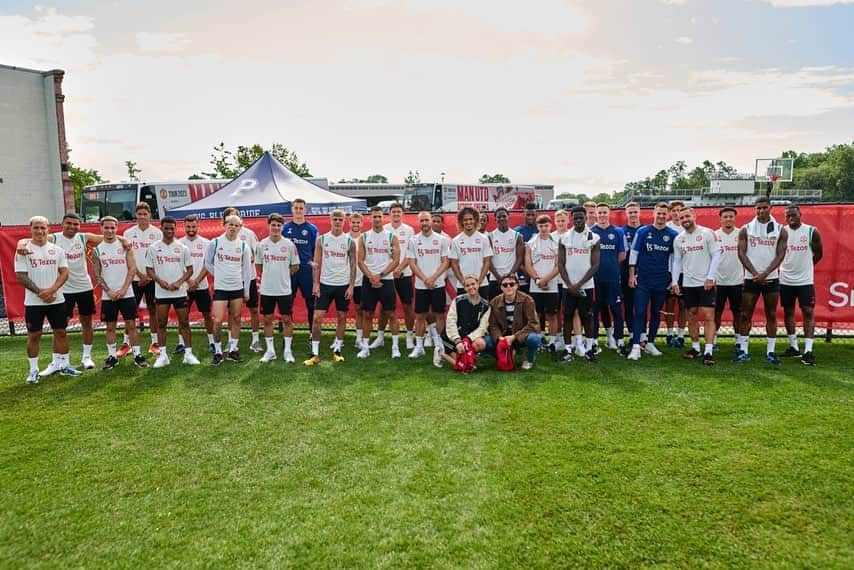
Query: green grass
[[391, 463]]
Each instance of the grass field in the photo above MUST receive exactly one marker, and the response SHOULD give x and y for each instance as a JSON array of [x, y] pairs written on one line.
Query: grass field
[[392, 463]]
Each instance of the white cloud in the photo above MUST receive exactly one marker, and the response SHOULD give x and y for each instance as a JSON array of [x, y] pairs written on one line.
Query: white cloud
[[48, 40], [673, 2], [163, 43], [686, 40]]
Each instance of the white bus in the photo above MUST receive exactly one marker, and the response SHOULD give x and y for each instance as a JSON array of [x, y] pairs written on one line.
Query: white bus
[[433, 197], [120, 199]]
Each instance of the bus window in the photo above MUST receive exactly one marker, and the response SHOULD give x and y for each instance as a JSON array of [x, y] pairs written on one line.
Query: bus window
[[121, 204], [147, 195]]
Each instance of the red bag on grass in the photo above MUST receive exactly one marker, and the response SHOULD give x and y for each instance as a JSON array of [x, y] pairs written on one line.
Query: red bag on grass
[[504, 355], [466, 361]]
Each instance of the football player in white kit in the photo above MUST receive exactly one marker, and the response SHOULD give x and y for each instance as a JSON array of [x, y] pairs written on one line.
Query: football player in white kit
[[427, 255], [229, 260], [355, 220], [561, 227], [334, 273], [198, 290], [674, 306], [114, 267], [696, 256], [730, 272], [402, 277], [251, 239], [508, 251], [471, 252], [169, 266], [379, 256], [797, 281], [541, 267], [141, 236], [42, 273], [762, 246]]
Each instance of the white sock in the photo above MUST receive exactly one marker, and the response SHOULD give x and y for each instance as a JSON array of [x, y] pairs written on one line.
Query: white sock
[[408, 336], [210, 338], [793, 341], [135, 350], [394, 339], [288, 341], [254, 337], [232, 345], [338, 344], [270, 346], [771, 342], [87, 351], [609, 333], [669, 331], [419, 342], [55, 360], [808, 345], [715, 339], [696, 346], [218, 347], [153, 338], [34, 363], [579, 341], [125, 339], [111, 349], [432, 330], [745, 345], [589, 344], [229, 338], [680, 332], [188, 350], [64, 359], [709, 348], [315, 347], [359, 336]]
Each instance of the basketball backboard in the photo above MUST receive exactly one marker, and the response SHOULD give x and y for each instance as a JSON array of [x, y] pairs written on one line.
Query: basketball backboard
[[774, 169]]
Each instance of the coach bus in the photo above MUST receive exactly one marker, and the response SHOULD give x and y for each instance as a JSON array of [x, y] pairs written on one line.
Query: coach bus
[[434, 197], [120, 199]]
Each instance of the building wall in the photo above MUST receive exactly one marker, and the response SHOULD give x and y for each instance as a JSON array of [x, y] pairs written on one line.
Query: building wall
[[31, 165]]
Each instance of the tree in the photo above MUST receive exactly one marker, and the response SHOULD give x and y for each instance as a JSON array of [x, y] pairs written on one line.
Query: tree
[[372, 179], [494, 179], [412, 178], [228, 164], [133, 171], [82, 177]]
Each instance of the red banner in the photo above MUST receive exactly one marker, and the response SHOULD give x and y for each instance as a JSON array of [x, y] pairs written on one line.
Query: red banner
[[834, 275]]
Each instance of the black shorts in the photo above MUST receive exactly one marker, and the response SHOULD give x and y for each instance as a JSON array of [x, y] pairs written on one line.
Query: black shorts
[[547, 303], [581, 303], [221, 295], [283, 302], [85, 302], [483, 291], [803, 294], [146, 291], [384, 295], [253, 294], [403, 286], [35, 316], [110, 309], [202, 299], [728, 294], [753, 288], [427, 300], [698, 297], [177, 302], [329, 293], [357, 297]]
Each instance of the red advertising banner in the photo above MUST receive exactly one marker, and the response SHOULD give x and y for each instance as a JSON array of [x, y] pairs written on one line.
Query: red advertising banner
[[834, 275]]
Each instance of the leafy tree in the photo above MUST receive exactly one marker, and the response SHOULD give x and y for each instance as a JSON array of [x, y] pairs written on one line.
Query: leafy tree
[[412, 178], [82, 177], [494, 179], [228, 164], [376, 179], [133, 171]]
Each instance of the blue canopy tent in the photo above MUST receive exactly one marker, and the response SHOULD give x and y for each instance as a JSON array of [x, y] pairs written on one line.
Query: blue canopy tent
[[265, 187]]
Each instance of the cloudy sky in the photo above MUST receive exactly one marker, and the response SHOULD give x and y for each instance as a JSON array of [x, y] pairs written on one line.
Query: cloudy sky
[[586, 95]]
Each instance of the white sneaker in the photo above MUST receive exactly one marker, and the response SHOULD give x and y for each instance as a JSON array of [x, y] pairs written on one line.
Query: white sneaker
[[612, 343], [256, 346], [560, 346], [269, 356], [357, 344], [365, 350], [33, 377], [395, 352], [51, 369], [87, 363], [417, 352], [378, 342], [190, 358], [288, 357], [635, 354], [527, 365], [410, 344], [579, 351], [428, 341], [162, 360], [437, 356], [651, 350]]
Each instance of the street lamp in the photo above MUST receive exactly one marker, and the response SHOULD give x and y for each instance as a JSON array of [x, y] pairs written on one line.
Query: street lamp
[[443, 178]]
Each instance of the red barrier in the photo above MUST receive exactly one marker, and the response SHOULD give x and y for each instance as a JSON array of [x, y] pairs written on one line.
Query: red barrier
[[834, 276]]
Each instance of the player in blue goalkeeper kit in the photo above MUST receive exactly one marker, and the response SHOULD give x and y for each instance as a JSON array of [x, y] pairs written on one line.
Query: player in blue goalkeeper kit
[[304, 236]]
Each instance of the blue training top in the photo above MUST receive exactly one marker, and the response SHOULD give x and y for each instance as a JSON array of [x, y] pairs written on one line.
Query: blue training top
[[629, 233], [654, 249], [304, 236], [527, 232], [611, 245]]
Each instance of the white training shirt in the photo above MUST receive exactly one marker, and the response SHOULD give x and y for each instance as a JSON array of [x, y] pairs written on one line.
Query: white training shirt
[[141, 240], [335, 259], [404, 233], [543, 258], [694, 252], [357, 240], [730, 271], [378, 251], [797, 267], [579, 250], [79, 280], [197, 249], [471, 252], [169, 262], [557, 236], [428, 251], [503, 250], [762, 245], [114, 267], [276, 259], [230, 262], [42, 267]]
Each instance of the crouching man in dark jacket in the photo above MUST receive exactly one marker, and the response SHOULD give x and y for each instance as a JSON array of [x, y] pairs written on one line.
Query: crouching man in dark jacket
[[514, 317]]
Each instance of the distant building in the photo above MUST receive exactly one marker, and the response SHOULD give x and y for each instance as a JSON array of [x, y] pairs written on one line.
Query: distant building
[[34, 177]]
